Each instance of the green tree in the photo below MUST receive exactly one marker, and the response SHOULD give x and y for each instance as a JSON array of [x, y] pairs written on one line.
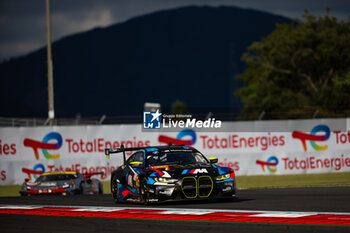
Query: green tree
[[299, 67]]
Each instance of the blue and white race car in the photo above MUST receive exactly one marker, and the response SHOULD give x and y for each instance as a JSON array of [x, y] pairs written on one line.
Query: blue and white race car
[[168, 173]]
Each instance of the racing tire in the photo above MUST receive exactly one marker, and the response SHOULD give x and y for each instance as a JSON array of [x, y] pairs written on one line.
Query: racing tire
[[81, 188], [100, 189], [144, 194], [114, 189]]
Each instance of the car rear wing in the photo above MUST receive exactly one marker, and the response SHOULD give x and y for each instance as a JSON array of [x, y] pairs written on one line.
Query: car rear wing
[[122, 149], [89, 174]]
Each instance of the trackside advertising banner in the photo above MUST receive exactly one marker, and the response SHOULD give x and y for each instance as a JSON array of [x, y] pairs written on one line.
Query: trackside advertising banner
[[250, 148]]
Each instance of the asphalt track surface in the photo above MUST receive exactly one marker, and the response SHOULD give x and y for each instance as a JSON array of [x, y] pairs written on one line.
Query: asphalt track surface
[[325, 199]]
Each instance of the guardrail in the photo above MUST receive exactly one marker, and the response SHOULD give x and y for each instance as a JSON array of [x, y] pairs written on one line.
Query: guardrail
[[28, 122], [137, 119]]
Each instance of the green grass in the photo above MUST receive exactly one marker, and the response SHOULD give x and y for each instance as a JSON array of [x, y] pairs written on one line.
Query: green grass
[[288, 181], [250, 182], [106, 187], [9, 190]]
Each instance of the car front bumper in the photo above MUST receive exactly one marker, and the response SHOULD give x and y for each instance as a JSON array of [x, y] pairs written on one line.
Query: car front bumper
[[177, 191]]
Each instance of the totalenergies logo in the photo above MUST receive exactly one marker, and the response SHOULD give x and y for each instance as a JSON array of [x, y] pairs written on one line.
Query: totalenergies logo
[[270, 164], [313, 138], [190, 139], [38, 169], [45, 145]]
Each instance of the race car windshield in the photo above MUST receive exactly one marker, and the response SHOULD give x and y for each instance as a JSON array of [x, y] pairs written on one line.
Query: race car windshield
[[182, 158], [55, 177]]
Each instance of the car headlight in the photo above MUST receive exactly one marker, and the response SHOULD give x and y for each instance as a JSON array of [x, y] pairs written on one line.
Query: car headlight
[[65, 185], [164, 180], [223, 177]]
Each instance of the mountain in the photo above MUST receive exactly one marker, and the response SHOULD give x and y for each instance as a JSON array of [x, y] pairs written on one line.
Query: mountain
[[190, 53]]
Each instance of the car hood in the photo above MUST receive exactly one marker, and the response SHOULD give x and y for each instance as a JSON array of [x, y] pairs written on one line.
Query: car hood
[[47, 184], [177, 171]]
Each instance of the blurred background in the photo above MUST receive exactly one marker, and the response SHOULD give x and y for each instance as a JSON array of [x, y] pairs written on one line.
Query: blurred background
[[233, 60], [229, 59]]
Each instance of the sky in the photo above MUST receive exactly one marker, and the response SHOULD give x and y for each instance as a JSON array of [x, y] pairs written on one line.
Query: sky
[[23, 22]]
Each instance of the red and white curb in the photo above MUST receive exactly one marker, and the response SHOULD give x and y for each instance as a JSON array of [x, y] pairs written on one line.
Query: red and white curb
[[234, 216]]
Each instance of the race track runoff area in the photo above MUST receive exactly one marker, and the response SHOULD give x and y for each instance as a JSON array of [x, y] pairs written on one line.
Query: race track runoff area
[[199, 215], [323, 209]]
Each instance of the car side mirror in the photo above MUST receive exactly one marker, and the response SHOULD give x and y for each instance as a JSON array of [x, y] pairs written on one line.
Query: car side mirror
[[213, 159], [136, 164]]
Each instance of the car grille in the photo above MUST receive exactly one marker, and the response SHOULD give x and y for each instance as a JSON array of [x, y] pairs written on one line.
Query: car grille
[[205, 186], [189, 187], [201, 187]]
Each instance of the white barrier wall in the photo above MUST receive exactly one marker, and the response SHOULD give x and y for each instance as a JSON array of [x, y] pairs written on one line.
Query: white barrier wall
[[250, 148]]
